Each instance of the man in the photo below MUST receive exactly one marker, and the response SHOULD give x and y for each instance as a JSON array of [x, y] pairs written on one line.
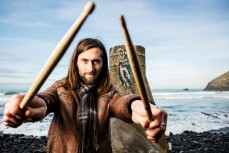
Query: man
[[82, 103]]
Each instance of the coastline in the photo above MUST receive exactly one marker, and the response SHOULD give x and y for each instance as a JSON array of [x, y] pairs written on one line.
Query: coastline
[[187, 142], [20, 143], [213, 141], [193, 110]]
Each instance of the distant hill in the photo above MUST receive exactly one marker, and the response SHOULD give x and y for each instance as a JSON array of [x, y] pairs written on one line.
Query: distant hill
[[221, 83]]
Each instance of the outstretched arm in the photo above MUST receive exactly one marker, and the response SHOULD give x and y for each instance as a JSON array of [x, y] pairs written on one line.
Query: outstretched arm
[[155, 128], [14, 116]]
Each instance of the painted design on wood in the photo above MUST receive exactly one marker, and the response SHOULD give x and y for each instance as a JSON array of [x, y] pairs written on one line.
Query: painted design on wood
[[124, 73]]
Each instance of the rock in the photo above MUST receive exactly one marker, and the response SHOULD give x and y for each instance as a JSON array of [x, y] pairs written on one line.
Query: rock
[[226, 138], [21, 143], [221, 83], [185, 89], [206, 142], [129, 138]]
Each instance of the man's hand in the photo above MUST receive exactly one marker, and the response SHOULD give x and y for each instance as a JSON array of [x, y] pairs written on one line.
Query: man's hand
[[14, 116], [155, 128]]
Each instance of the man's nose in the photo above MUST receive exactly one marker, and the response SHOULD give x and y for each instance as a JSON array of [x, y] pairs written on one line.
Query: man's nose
[[90, 67]]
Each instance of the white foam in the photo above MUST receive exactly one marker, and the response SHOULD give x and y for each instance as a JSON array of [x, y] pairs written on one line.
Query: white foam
[[191, 95]]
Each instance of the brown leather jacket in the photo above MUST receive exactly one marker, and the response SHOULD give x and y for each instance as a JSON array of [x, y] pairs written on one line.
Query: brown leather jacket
[[62, 135]]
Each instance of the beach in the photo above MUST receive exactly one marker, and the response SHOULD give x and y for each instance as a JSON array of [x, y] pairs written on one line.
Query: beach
[[198, 121], [19, 143], [216, 141]]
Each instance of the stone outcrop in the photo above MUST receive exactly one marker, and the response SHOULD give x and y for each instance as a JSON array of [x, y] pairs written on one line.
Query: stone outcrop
[[128, 138], [221, 83]]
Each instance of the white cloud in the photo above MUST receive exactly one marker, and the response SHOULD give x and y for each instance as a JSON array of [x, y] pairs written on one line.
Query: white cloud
[[186, 42]]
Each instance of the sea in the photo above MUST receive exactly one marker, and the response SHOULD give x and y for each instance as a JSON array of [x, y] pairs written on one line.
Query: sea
[[193, 110]]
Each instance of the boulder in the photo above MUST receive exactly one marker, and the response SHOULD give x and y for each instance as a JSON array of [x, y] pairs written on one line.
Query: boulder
[[128, 138], [220, 83]]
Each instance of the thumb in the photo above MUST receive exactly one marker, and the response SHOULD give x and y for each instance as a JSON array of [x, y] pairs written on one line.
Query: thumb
[[29, 112], [35, 114]]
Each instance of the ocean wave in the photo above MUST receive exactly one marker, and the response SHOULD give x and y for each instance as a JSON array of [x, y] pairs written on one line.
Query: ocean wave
[[194, 97], [171, 98], [196, 121], [11, 93], [191, 95], [6, 93], [211, 115]]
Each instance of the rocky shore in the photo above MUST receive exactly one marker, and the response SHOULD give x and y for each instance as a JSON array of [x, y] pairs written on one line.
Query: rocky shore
[[216, 141], [19, 143]]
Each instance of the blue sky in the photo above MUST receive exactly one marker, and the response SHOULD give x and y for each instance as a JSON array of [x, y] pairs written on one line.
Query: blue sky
[[186, 42]]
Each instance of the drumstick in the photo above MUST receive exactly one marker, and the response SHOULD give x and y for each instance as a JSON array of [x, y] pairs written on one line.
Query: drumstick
[[135, 67], [57, 54]]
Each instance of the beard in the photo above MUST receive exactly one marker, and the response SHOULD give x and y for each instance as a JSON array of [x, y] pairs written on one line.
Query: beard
[[89, 78]]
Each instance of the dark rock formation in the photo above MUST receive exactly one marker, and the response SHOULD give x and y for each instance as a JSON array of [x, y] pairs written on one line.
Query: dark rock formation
[[19, 143], [215, 141], [220, 83]]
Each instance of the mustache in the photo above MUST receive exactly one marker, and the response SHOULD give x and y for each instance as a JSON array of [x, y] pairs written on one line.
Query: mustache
[[90, 73]]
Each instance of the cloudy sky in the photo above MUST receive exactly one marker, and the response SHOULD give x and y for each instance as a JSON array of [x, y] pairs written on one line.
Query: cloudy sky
[[186, 42]]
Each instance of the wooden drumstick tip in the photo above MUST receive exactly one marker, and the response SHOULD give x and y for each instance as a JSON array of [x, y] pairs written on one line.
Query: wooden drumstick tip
[[122, 20], [89, 7]]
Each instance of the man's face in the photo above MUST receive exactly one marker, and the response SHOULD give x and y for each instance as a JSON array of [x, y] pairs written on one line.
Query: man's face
[[89, 65]]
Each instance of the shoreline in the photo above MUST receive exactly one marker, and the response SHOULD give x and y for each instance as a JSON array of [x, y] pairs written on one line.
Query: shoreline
[[186, 142], [213, 141], [20, 143]]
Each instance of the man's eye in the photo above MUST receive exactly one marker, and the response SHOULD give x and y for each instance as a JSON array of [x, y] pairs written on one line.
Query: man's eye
[[96, 61]]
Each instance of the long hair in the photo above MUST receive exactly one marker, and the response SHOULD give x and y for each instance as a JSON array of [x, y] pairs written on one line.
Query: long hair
[[71, 81]]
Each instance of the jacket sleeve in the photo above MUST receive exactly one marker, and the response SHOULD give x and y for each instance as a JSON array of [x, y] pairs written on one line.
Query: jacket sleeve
[[50, 96], [120, 106]]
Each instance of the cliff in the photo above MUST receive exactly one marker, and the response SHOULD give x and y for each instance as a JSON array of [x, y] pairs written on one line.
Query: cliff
[[221, 83]]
